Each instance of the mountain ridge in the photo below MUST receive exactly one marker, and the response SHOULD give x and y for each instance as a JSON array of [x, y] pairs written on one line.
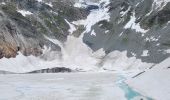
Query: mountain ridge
[[137, 29]]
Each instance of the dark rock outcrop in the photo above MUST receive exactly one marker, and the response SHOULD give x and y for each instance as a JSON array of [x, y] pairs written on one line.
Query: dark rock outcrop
[[53, 70]]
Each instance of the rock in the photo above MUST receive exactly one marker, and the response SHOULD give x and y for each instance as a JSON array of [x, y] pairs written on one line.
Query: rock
[[53, 70], [92, 7], [8, 50]]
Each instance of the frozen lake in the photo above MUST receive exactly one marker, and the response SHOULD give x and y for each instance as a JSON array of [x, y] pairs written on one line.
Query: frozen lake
[[65, 86]]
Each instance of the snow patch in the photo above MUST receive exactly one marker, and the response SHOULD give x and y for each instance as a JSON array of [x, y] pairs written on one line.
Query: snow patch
[[145, 53], [159, 4], [40, 0], [119, 61], [3, 3], [24, 12], [72, 27], [167, 51], [73, 52], [94, 17], [49, 4], [121, 34], [93, 33], [125, 12], [136, 26], [152, 38], [84, 4], [107, 31]]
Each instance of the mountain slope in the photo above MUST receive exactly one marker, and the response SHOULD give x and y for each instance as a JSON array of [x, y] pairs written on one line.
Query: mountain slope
[[83, 35]]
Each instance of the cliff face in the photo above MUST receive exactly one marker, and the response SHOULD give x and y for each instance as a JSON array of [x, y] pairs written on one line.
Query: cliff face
[[139, 27], [23, 24]]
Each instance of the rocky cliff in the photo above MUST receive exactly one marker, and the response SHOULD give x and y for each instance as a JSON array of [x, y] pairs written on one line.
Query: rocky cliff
[[25, 22]]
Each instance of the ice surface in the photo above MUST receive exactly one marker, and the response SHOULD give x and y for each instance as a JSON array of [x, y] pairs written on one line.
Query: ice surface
[[75, 86], [154, 82]]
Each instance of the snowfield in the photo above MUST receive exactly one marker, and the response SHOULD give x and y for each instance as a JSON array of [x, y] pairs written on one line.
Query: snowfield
[[75, 86], [154, 82], [67, 86]]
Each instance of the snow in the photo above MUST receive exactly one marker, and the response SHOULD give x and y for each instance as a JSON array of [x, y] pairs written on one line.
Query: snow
[[152, 38], [84, 4], [158, 44], [3, 3], [119, 61], [22, 64], [93, 33], [94, 17], [154, 82], [125, 12], [159, 4], [145, 53], [167, 51], [121, 34], [24, 12], [49, 4], [64, 86], [80, 5], [107, 31], [73, 50], [105, 2], [76, 55], [72, 27], [40, 0], [135, 26]]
